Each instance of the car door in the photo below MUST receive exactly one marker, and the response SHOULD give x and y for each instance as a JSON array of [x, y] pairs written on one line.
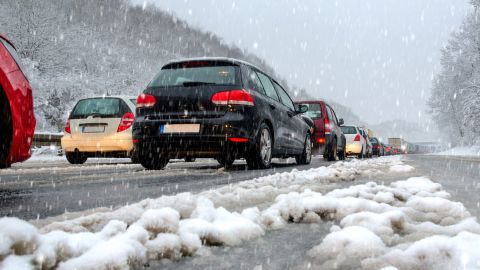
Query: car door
[[279, 113], [336, 128], [294, 122]]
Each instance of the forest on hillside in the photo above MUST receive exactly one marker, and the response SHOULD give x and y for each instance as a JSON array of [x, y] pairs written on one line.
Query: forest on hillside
[[79, 48]]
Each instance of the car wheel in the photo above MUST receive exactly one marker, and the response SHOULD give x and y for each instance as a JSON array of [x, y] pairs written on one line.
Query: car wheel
[[343, 154], [332, 156], [76, 158], [151, 159], [360, 155], [306, 156], [261, 156], [190, 159], [226, 160], [6, 127], [134, 158]]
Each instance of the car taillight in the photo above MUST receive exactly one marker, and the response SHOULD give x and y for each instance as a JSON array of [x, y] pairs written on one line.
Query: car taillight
[[238, 140], [146, 101], [321, 140], [357, 138], [67, 127], [233, 97], [126, 122], [327, 125]]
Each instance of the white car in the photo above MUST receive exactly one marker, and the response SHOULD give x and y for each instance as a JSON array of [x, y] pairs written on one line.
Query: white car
[[369, 145], [100, 127], [356, 143]]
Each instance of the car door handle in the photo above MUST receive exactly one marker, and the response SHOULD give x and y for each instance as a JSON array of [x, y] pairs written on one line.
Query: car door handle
[[272, 106]]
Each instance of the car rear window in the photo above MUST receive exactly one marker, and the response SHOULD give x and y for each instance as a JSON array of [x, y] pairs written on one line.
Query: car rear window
[[348, 130], [190, 74], [373, 140], [97, 107], [314, 111]]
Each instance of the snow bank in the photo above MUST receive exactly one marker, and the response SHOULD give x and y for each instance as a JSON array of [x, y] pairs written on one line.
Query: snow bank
[[467, 151], [182, 225]]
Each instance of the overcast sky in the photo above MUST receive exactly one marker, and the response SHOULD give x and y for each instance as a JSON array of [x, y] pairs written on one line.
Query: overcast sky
[[375, 56]]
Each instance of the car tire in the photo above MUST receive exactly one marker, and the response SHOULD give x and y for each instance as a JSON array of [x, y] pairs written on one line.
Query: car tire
[[153, 162], [76, 158], [261, 155], [360, 155], [6, 127], [333, 154], [134, 158], [190, 159], [306, 157], [343, 154]]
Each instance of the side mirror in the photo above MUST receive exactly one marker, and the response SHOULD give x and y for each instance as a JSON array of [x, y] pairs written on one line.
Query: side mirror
[[341, 122], [302, 108]]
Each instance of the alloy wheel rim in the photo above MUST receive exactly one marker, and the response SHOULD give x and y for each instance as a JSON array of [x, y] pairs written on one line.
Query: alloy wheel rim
[[265, 146]]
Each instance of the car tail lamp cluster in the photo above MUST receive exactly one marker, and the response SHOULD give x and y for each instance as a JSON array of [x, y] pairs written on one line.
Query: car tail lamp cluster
[[126, 122], [146, 101], [357, 138], [67, 127], [321, 140], [238, 140], [327, 125], [233, 97]]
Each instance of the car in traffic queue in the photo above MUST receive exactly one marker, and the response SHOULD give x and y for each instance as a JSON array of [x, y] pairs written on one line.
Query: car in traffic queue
[[17, 119], [356, 143], [377, 147], [100, 127], [328, 138], [364, 133], [218, 108]]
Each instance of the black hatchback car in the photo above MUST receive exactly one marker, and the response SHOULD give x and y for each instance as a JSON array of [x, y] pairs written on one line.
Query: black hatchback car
[[218, 108]]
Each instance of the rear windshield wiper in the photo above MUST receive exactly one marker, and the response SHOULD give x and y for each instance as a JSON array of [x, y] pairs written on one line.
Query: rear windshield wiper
[[197, 83]]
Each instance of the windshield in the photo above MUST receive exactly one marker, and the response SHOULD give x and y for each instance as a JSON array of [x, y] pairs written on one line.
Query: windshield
[[314, 111], [348, 130], [97, 107], [196, 76]]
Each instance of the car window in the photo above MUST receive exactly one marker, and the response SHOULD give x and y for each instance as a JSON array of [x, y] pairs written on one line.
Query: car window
[[314, 111], [196, 73], [254, 81], [268, 86], [334, 116], [98, 107], [284, 97], [134, 101], [374, 140], [331, 116], [349, 130]]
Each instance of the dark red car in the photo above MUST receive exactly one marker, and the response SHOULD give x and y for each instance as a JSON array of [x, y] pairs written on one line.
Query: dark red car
[[17, 120], [328, 138]]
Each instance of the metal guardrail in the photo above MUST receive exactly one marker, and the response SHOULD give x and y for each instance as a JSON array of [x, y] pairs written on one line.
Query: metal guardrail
[[46, 139]]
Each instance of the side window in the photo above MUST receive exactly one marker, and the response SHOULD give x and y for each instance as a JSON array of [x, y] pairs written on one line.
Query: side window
[[268, 86], [329, 114], [253, 81], [284, 97], [335, 120]]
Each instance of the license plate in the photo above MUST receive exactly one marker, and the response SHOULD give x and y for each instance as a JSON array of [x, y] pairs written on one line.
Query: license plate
[[93, 129], [179, 128]]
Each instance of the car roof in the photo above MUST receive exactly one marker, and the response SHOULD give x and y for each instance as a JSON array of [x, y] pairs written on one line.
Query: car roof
[[316, 101], [7, 40], [115, 96], [224, 59]]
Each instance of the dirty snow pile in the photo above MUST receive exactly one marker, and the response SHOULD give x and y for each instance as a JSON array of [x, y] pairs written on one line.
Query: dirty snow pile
[[409, 224], [186, 224]]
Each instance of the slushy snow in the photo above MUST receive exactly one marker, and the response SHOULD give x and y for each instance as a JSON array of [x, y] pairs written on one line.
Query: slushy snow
[[410, 224]]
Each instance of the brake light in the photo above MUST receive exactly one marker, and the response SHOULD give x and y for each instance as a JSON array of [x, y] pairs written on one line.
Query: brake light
[[357, 138], [321, 140], [233, 97], [238, 140], [146, 101], [126, 122], [327, 126], [67, 127]]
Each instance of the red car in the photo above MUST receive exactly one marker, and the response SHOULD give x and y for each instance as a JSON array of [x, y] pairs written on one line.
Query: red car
[[328, 138], [17, 120]]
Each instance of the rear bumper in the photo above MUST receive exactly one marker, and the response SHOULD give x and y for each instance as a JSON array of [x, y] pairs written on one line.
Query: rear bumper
[[120, 142], [354, 148], [211, 141]]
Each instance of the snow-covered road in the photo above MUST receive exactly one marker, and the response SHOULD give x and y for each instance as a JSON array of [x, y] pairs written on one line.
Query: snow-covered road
[[366, 214]]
